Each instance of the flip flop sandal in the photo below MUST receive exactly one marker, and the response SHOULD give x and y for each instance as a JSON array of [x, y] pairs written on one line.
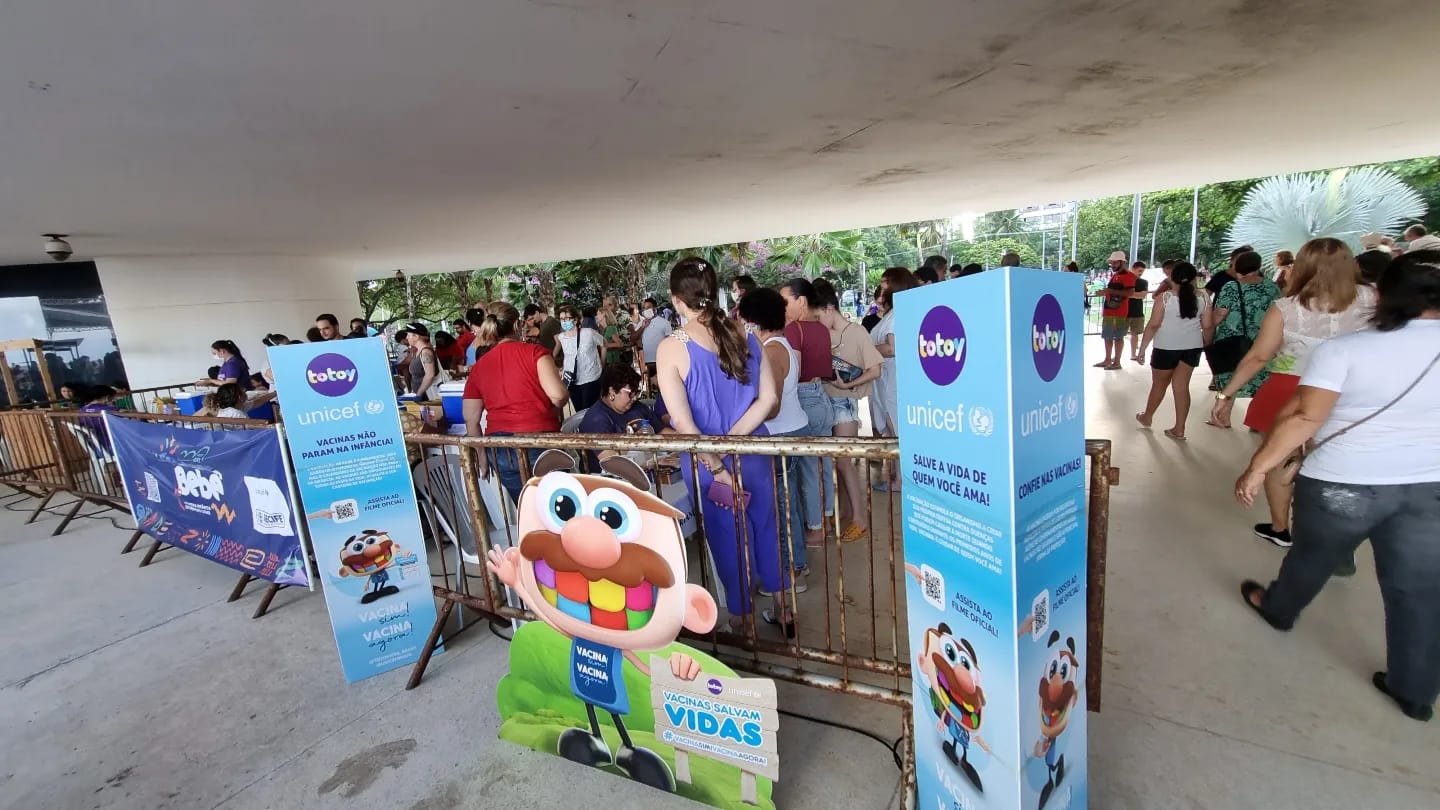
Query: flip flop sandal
[[1249, 588], [1179, 437], [853, 533]]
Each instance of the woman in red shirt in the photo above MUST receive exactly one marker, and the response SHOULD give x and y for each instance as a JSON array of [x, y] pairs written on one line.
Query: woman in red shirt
[[517, 389]]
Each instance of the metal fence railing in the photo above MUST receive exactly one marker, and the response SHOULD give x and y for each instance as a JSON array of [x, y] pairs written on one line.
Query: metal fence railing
[[850, 634]]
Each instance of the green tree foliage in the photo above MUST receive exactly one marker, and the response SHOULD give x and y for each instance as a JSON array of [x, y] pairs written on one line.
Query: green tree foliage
[[987, 252]]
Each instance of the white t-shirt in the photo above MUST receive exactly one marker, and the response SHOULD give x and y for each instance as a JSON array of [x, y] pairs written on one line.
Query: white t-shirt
[[584, 362], [1369, 369], [232, 413], [655, 331], [1177, 333]]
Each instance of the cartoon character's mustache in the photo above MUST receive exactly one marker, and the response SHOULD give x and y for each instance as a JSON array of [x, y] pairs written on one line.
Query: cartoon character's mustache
[[637, 563]]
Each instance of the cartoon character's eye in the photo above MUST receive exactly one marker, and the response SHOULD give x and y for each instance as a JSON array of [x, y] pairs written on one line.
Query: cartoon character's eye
[[952, 654], [615, 509], [370, 541], [357, 546], [965, 662], [561, 498], [1065, 670], [1054, 667]]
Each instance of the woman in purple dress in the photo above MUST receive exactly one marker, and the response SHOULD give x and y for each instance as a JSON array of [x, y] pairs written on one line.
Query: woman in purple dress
[[716, 382]]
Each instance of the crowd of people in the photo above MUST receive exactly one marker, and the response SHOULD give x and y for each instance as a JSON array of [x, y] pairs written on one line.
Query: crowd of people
[[1337, 355]]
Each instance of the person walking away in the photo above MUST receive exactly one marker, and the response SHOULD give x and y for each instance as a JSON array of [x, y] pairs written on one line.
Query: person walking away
[[515, 388], [1135, 317], [578, 351], [856, 365], [1115, 317], [1368, 399], [1237, 311], [811, 341], [1326, 299], [763, 311], [717, 382], [1177, 330]]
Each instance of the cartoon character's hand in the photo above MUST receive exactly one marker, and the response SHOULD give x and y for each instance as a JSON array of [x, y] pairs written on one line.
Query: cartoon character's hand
[[505, 564], [322, 514], [1040, 749], [345, 572], [684, 667]]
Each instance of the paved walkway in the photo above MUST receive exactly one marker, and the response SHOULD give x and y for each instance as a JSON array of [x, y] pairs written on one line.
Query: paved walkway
[[130, 688]]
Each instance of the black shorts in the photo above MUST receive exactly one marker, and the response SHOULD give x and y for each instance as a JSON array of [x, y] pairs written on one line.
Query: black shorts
[[1168, 359]]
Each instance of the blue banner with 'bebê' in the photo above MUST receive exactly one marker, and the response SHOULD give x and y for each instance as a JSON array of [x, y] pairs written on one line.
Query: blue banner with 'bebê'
[[220, 494]]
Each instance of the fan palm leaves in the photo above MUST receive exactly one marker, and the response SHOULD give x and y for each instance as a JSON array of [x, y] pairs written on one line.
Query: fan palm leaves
[[1286, 211]]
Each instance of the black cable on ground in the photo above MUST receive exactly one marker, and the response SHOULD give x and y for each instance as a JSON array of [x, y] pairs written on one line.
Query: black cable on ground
[[893, 748]]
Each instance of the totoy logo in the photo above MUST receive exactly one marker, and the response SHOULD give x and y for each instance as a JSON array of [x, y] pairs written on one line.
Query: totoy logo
[[331, 375], [1047, 337], [942, 345], [714, 686]]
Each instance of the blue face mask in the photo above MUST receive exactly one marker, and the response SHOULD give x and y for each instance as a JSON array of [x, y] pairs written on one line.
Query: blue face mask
[[567, 325]]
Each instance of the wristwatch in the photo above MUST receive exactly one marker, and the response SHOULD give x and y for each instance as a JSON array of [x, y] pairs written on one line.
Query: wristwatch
[[1222, 396]]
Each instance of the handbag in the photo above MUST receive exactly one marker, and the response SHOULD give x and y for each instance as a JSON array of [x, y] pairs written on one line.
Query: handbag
[[1224, 355], [568, 376], [1292, 465], [844, 369]]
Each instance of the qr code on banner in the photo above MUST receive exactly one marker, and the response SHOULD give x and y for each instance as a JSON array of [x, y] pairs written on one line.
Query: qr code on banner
[[152, 488], [933, 586], [345, 511], [1040, 612]]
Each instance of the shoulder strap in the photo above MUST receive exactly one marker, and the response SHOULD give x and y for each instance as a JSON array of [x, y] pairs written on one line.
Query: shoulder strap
[[1382, 409]]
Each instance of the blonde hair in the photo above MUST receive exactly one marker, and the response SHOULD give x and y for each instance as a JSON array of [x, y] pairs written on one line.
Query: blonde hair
[[499, 323], [1325, 275]]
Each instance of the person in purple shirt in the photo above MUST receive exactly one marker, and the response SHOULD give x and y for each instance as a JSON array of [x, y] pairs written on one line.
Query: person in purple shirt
[[233, 368]]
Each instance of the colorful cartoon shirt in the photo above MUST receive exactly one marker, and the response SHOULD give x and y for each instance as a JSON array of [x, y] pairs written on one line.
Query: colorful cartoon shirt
[[595, 675]]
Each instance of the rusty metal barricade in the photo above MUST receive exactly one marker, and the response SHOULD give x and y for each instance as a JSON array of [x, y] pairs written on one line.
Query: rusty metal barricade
[[850, 633]]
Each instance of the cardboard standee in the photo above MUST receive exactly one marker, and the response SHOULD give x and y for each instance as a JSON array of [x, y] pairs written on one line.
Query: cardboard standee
[[993, 464]]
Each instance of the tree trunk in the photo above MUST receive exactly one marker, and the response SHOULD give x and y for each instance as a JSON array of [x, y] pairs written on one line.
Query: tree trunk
[[489, 289], [546, 277], [635, 277], [461, 280]]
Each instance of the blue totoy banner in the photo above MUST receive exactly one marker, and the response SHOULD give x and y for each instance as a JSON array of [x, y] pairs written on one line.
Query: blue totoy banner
[[220, 494], [343, 428], [993, 461]]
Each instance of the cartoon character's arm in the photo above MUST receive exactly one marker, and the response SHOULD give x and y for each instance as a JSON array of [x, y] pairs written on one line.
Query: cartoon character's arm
[[505, 564], [981, 742], [1027, 627], [682, 666], [1042, 746], [345, 571], [323, 514], [913, 570]]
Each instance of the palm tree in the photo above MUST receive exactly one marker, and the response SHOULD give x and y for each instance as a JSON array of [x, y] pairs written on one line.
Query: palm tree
[[1286, 211]]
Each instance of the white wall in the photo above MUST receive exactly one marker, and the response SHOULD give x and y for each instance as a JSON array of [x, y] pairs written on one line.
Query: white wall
[[167, 310]]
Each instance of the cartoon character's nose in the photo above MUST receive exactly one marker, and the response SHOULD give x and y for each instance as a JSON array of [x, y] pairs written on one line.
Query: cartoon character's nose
[[374, 550], [590, 542]]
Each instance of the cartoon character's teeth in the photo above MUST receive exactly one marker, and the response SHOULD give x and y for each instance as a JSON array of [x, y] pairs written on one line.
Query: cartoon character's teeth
[[603, 603]]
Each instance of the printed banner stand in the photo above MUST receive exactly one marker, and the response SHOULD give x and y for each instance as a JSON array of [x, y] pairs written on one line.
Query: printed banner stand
[[601, 563], [992, 446], [342, 425], [221, 495]]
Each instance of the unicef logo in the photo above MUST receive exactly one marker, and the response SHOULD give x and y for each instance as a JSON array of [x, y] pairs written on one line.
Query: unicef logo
[[331, 375], [1072, 406], [982, 421], [1047, 337], [374, 407], [714, 686], [942, 345]]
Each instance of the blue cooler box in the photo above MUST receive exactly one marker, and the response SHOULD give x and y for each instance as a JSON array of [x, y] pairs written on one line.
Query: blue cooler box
[[452, 397], [190, 402]]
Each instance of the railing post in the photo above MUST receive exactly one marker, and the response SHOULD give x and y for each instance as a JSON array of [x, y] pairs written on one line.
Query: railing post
[[1102, 477]]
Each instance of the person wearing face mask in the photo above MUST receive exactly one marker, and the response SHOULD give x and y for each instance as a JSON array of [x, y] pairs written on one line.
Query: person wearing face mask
[[578, 353], [652, 330], [233, 368]]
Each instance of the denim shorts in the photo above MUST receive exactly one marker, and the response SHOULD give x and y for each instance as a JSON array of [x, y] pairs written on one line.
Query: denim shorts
[[847, 409]]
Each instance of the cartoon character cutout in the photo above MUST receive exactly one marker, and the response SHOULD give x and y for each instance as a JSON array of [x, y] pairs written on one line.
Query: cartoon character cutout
[[1059, 695], [370, 554], [950, 670], [602, 561]]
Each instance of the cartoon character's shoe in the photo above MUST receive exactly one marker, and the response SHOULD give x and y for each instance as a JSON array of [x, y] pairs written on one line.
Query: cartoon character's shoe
[[370, 596], [1045, 794], [1059, 771], [972, 774], [949, 748], [646, 767], [579, 745], [388, 590]]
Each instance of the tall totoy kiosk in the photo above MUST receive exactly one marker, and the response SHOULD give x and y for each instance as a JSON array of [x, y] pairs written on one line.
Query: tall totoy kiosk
[[992, 448]]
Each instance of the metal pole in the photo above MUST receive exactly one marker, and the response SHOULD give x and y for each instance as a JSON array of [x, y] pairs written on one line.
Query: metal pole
[[1154, 234], [1075, 233], [409, 299], [1135, 227], [1043, 245], [1194, 222]]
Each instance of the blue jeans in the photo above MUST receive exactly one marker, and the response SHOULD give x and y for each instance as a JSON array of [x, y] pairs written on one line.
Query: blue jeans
[[816, 475], [788, 471], [507, 466], [1330, 521]]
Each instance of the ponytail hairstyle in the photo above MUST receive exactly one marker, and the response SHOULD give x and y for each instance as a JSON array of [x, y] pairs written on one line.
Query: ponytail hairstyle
[[499, 323], [1183, 277], [694, 282], [229, 346]]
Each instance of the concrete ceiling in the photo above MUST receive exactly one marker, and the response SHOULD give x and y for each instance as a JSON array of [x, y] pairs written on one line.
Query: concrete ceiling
[[436, 134]]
